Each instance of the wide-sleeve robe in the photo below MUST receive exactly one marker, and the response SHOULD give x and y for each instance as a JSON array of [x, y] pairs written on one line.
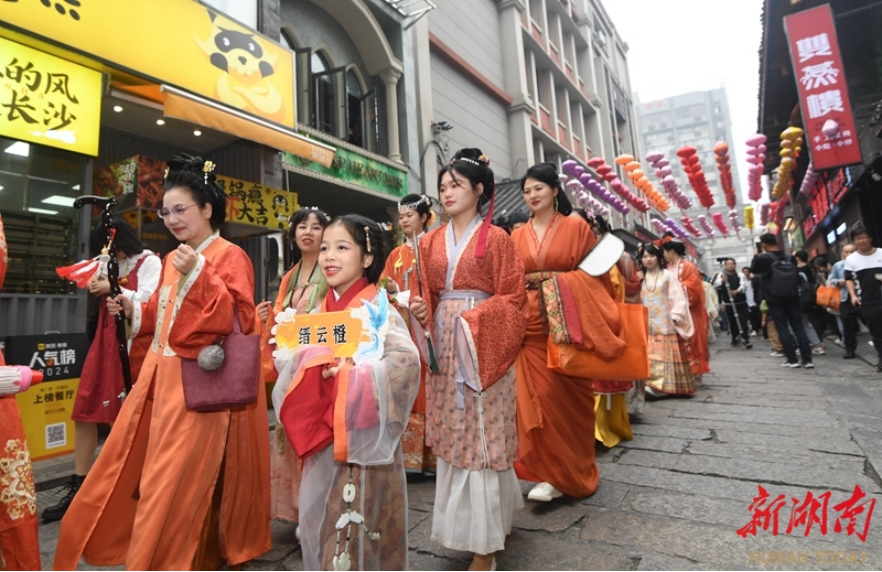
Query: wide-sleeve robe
[[699, 350], [285, 466], [146, 501], [556, 412], [477, 316], [348, 430], [19, 540], [401, 269]]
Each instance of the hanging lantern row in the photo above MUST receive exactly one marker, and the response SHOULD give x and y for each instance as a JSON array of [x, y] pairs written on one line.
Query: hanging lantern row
[[808, 182], [660, 227], [791, 147], [720, 223], [721, 150], [668, 182], [676, 228], [756, 156], [733, 218], [616, 184], [692, 165], [748, 217], [580, 181], [635, 172], [689, 225], [705, 226]]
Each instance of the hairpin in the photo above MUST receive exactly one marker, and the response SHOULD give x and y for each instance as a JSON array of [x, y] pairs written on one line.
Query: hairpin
[[424, 199], [385, 226], [484, 158], [207, 168], [165, 173], [367, 237], [472, 161]]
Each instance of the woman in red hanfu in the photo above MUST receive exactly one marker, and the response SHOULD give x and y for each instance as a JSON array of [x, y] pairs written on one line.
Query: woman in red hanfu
[[19, 540], [101, 390], [690, 279], [473, 303], [414, 217]]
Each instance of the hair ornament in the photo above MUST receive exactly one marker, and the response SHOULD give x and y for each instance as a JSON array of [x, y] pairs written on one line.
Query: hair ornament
[[207, 168], [424, 199], [165, 173], [482, 160], [367, 237], [385, 226]]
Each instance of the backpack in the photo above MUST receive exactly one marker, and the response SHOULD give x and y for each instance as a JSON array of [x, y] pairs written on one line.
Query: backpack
[[784, 278], [808, 295]]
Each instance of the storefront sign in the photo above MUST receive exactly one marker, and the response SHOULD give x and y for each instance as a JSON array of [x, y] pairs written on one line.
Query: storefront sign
[[827, 193], [48, 100], [180, 42], [340, 330], [257, 205], [137, 183], [353, 168], [826, 109], [46, 408]]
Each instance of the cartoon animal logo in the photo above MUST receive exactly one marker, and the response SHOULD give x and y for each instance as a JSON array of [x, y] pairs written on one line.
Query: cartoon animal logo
[[245, 67]]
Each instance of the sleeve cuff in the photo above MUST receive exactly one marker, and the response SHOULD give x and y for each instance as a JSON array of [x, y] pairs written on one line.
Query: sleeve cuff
[[191, 278], [136, 320]]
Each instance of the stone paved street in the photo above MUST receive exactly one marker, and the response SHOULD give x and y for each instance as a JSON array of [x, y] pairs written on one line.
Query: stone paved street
[[673, 498]]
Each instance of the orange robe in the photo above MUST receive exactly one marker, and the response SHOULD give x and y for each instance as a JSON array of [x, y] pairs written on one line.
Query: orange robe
[[401, 268], [146, 501], [699, 352], [19, 540], [556, 412]]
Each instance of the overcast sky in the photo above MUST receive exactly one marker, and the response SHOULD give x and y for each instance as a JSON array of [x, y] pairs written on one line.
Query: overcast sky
[[679, 46]]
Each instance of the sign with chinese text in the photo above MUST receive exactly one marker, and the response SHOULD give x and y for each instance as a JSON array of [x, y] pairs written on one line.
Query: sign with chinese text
[[134, 182], [827, 193], [826, 109], [197, 48], [46, 408], [340, 330], [357, 170], [48, 100], [258, 205]]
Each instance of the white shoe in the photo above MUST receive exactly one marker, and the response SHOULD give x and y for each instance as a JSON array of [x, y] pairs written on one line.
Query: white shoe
[[544, 492], [839, 343]]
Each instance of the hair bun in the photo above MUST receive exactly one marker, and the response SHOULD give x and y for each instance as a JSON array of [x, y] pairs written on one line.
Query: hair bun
[[472, 155]]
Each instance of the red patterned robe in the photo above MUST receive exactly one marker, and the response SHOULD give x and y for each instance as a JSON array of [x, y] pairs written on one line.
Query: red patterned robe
[[19, 541], [699, 352]]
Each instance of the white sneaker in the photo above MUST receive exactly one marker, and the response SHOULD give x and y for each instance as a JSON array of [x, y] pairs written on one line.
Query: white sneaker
[[789, 364], [839, 343], [544, 492]]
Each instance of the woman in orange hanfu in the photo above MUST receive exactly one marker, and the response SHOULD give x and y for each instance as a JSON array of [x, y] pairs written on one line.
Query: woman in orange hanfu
[[556, 412], [690, 279], [345, 419], [303, 288], [611, 422], [19, 540], [170, 483], [474, 306], [414, 217]]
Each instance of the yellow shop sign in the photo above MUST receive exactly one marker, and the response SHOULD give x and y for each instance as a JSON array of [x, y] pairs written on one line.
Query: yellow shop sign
[[48, 100], [258, 205], [177, 42]]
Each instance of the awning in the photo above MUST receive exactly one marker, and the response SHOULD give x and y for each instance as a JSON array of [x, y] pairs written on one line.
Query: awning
[[204, 112]]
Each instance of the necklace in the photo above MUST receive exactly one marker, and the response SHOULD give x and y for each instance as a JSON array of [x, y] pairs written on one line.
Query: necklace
[[290, 302]]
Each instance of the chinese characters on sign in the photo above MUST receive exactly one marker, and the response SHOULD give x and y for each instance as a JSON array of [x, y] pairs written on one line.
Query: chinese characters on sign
[[826, 110], [257, 205], [828, 191], [47, 100], [339, 330], [854, 514]]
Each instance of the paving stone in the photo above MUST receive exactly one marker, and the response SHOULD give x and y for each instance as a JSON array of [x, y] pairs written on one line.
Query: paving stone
[[684, 433], [555, 516], [609, 494], [415, 517], [649, 458], [650, 443], [294, 561], [420, 540], [284, 541], [759, 472], [526, 550], [781, 455], [708, 545], [426, 561]]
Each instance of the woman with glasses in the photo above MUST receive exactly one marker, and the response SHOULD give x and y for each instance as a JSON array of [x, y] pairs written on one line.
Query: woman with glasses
[[175, 489]]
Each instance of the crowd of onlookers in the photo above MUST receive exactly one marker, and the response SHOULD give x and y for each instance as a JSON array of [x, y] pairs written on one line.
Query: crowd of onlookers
[[796, 301]]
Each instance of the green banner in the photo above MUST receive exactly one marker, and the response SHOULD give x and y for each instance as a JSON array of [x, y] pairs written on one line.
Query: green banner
[[351, 167]]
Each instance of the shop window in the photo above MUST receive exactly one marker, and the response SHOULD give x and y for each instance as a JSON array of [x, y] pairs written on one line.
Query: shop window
[[361, 113], [324, 112], [38, 186]]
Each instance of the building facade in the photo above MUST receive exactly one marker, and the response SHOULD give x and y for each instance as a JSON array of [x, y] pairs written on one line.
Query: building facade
[[526, 81], [699, 119], [297, 102], [818, 221]]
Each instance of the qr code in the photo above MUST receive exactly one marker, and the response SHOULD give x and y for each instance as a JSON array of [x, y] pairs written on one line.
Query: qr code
[[56, 435]]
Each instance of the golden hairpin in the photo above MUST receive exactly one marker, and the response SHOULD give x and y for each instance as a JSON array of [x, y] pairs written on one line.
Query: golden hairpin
[[367, 236], [165, 173], [207, 168]]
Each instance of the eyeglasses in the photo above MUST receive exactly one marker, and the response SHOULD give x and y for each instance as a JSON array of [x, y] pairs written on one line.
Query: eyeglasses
[[176, 210]]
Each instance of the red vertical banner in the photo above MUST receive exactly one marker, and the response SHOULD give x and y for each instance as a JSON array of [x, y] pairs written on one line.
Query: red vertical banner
[[829, 125]]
